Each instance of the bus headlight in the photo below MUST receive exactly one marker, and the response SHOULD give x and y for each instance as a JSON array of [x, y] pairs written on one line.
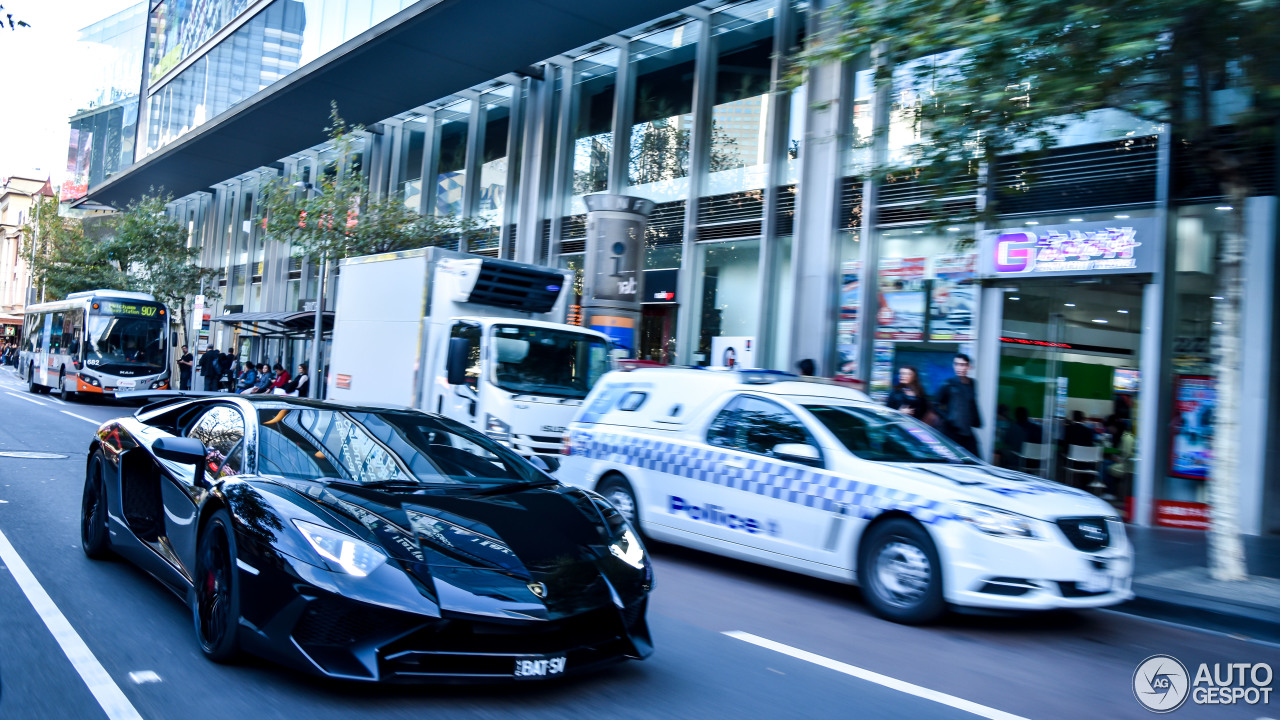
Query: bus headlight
[[496, 429]]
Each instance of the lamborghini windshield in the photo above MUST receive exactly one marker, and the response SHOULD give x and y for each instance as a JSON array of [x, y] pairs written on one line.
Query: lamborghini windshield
[[304, 443]]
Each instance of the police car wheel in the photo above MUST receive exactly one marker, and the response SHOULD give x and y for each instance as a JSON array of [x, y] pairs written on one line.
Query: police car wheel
[[618, 492], [900, 574]]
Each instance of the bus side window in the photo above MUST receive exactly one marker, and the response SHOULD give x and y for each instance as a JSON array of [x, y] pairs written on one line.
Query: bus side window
[[55, 334], [76, 330]]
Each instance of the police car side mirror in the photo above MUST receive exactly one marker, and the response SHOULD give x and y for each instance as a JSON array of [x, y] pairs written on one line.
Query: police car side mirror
[[798, 453]]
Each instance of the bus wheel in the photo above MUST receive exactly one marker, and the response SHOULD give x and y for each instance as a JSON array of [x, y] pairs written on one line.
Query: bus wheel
[[66, 395], [32, 387]]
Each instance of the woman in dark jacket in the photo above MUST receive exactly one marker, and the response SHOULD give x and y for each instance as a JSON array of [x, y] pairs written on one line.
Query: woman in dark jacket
[[908, 396]]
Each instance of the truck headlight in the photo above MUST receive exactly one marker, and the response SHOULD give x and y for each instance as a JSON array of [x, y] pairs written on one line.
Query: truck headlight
[[994, 521], [342, 552], [496, 429]]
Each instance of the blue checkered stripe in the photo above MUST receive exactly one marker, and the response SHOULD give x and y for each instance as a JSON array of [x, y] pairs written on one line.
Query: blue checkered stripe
[[811, 488]]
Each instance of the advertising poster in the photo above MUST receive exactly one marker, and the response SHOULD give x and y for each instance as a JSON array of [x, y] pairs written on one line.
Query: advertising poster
[[882, 371], [847, 349], [902, 300], [954, 297], [850, 292], [1194, 399]]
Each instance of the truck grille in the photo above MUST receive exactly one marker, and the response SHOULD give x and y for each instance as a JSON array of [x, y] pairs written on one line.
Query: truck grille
[[1087, 534]]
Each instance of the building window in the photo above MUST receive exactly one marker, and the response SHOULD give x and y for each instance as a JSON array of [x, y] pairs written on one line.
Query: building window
[[658, 160], [451, 157], [739, 153], [727, 300], [595, 82]]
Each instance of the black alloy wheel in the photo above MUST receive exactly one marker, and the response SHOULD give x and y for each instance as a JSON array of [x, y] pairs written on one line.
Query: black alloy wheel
[[95, 536], [899, 572], [217, 590], [618, 492]]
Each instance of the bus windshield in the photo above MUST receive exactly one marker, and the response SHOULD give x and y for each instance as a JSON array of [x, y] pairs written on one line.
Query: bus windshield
[[118, 343], [542, 361]]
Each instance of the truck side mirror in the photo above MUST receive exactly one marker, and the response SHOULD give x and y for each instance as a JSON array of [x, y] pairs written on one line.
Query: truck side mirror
[[173, 338], [456, 363]]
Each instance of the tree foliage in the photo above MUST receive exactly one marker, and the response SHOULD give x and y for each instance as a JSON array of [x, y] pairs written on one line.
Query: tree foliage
[[339, 217], [65, 259]]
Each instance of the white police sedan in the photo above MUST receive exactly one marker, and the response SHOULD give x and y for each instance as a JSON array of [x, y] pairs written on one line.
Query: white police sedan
[[813, 477]]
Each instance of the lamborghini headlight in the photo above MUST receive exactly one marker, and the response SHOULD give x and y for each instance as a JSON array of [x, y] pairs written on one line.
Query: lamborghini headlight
[[343, 552], [994, 521], [628, 549]]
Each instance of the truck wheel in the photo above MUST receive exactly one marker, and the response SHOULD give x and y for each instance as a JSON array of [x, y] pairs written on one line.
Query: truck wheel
[[618, 492], [900, 574]]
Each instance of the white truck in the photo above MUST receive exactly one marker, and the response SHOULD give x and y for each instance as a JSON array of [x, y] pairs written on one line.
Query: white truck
[[476, 339]]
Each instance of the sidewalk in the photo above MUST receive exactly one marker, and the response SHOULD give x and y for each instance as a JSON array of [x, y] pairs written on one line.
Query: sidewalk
[[1172, 583]]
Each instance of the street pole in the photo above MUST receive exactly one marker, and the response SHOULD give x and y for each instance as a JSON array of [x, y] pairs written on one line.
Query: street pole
[[35, 239], [317, 376]]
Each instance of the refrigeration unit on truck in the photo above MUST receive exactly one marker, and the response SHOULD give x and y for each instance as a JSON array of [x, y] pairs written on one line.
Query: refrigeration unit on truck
[[479, 340]]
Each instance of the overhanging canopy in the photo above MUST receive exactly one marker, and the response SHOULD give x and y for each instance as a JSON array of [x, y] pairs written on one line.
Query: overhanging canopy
[[428, 51], [296, 325]]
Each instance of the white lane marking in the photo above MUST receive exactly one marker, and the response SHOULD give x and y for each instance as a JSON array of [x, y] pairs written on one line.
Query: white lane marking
[[142, 677], [875, 677], [24, 397], [104, 689], [56, 400], [80, 417], [246, 567]]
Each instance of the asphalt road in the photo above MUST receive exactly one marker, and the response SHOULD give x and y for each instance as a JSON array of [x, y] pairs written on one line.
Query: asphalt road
[[1062, 665]]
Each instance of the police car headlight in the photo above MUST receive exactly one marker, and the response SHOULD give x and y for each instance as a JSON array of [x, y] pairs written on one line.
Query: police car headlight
[[628, 549], [342, 552], [993, 521], [496, 429]]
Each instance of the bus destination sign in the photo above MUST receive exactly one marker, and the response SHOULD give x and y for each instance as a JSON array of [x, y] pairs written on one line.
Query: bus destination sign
[[128, 309]]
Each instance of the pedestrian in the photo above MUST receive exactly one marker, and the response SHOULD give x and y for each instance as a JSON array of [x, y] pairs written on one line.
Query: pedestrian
[[263, 385], [1078, 432], [281, 378], [185, 365], [247, 379], [957, 405], [298, 386], [807, 367], [211, 368], [908, 396], [230, 368]]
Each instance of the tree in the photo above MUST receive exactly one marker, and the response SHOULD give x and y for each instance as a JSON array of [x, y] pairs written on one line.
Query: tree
[[10, 22], [151, 249], [1018, 70], [65, 259], [340, 217]]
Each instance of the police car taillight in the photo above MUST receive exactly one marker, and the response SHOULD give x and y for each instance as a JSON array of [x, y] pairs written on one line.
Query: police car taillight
[[566, 445]]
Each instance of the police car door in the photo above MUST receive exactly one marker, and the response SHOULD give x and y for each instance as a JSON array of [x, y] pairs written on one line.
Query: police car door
[[755, 498]]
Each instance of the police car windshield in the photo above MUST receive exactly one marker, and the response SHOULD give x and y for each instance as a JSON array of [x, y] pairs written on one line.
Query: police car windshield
[[542, 361], [883, 435]]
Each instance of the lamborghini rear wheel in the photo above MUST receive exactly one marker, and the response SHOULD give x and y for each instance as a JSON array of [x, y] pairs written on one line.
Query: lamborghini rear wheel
[[95, 536], [217, 590]]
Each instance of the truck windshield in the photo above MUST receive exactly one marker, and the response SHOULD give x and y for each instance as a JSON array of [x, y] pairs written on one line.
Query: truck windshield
[[542, 361], [886, 435], [117, 343]]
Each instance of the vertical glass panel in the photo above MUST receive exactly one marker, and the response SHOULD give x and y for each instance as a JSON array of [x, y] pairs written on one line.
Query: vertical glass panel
[[493, 167], [727, 290], [744, 44], [914, 83], [451, 158], [411, 146], [658, 161], [798, 100], [595, 81], [778, 332], [859, 158]]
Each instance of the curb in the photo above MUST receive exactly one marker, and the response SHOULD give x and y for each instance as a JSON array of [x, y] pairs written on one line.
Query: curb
[[1243, 620]]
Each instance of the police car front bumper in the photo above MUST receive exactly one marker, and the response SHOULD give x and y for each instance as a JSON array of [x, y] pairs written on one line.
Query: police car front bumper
[[994, 572]]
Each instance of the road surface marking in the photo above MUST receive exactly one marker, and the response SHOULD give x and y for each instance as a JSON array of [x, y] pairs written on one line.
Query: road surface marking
[[56, 400], [875, 677], [80, 417], [24, 397], [142, 677], [104, 689]]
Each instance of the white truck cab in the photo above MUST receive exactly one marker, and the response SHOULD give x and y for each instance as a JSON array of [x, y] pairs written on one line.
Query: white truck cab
[[811, 476], [478, 340]]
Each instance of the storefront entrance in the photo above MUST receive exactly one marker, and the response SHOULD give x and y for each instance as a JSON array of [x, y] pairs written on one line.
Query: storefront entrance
[[1068, 380]]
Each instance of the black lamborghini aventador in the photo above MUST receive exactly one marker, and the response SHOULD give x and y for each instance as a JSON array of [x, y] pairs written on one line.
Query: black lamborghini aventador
[[363, 543]]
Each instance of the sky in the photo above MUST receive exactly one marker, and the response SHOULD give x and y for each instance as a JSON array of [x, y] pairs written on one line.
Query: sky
[[46, 81]]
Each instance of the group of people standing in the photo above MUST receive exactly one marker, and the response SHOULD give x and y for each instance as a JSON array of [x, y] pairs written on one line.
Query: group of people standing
[[955, 409], [9, 354], [223, 372]]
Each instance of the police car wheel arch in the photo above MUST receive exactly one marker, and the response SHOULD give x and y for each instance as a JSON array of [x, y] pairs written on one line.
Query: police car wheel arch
[[615, 483], [900, 535]]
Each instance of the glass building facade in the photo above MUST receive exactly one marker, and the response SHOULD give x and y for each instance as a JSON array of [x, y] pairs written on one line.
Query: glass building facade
[[768, 231]]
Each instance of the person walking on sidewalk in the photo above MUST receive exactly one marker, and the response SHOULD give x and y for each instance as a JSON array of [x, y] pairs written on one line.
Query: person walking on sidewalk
[[185, 364], [957, 404], [908, 396], [211, 368]]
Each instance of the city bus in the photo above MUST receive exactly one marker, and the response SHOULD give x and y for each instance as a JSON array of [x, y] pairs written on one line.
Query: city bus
[[96, 341]]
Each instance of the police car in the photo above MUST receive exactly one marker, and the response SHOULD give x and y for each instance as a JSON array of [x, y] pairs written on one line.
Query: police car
[[811, 476]]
